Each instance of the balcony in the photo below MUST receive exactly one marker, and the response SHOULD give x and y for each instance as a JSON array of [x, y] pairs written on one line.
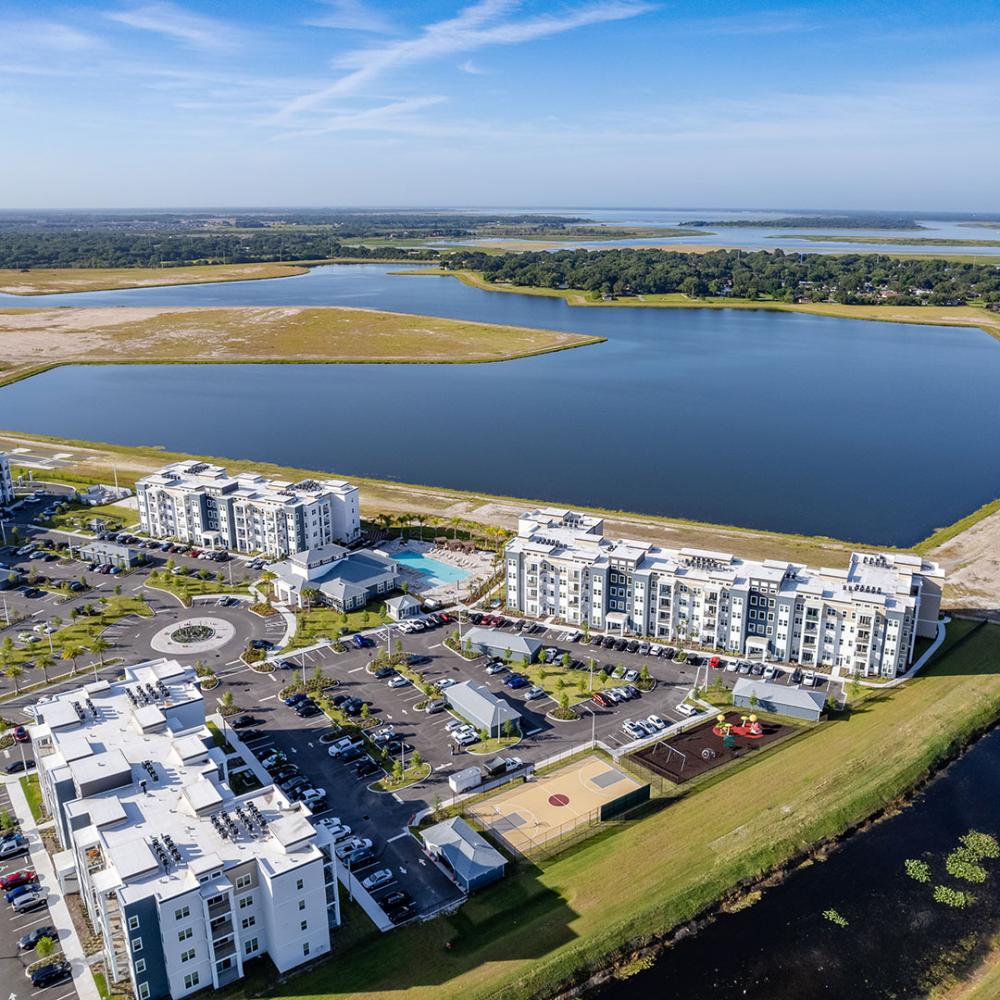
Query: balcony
[[222, 929], [227, 950], [220, 909]]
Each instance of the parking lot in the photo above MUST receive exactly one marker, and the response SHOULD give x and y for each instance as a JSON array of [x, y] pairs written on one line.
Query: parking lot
[[13, 960]]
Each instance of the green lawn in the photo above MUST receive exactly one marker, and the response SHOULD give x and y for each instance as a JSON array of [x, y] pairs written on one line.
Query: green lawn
[[542, 923], [320, 623], [33, 793], [576, 684], [410, 777], [188, 587], [76, 634], [116, 516]]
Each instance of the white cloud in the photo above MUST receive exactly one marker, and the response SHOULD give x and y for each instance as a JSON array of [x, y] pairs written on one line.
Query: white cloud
[[482, 24], [51, 35], [470, 67], [352, 15], [173, 22], [386, 117]]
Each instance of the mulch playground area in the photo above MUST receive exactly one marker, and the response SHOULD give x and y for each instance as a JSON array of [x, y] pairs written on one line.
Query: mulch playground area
[[701, 749]]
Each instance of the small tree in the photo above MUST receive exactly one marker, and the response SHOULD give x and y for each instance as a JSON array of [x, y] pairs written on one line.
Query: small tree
[[98, 646], [365, 711], [71, 652], [508, 729], [227, 704], [14, 673], [6, 821], [415, 759], [753, 700], [118, 590], [397, 771], [566, 660], [45, 947], [319, 678], [644, 674], [564, 701], [44, 660]]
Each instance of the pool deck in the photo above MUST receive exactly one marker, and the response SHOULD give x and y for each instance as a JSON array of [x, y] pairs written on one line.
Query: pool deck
[[477, 564]]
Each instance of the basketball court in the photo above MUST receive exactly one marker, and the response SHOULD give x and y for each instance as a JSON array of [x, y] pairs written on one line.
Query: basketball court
[[532, 813]]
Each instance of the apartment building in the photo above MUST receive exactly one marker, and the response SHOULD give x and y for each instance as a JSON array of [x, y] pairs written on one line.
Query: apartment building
[[6, 483], [184, 879], [203, 505], [864, 618], [345, 580]]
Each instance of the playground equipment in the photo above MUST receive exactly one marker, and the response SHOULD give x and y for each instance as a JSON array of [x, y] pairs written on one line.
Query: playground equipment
[[749, 727], [722, 727]]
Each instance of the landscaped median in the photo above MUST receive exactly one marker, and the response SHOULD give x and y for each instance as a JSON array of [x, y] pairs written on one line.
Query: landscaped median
[[185, 587], [554, 922]]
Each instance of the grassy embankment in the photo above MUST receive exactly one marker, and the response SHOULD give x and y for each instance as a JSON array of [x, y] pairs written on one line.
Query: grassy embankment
[[52, 280], [930, 315], [91, 462], [116, 516], [33, 793], [897, 240], [36, 340], [543, 924]]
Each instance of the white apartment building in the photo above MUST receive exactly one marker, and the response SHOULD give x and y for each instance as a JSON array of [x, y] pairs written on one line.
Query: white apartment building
[[865, 618], [184, 880], [6, 483], [203, 505]]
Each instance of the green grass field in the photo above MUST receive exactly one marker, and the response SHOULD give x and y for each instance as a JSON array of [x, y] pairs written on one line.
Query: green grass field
[[188, 587], [33, 793], [78, 516], [328, 623], [543, 924]]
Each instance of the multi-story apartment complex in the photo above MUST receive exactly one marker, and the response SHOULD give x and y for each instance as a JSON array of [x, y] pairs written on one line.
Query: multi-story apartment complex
[[203, 505], [865, 618], [184, 880], [6, 483]]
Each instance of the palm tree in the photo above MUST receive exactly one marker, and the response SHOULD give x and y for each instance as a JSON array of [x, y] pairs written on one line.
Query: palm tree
[[310, 595], [71, 652], [44, 661], [13, 672], [98, 646]]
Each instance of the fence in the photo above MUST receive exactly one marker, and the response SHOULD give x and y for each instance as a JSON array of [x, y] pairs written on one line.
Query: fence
[[556, 839]]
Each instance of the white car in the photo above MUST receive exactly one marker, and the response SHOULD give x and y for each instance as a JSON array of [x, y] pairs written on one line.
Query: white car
[[656, 722], [633, 729], [465, 739], [341, 746], [496, 668], [383, 734], [352, 845], [28, 901], [456, 724], [329, 822], [382, 877], [732, 666], [339, 833], [446, 683], [688, 710], [770, 672], [399, 681], [313, 795], [808, 679], [534, 692], [631, 676], [655, 650]]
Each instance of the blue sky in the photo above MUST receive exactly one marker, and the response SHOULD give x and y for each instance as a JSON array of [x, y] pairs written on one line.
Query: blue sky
[[499, 103]]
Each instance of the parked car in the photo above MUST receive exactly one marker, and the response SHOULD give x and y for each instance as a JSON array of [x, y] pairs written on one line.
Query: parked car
[[515, 681], [29, 901], [656, 722], [244, 721], [399, 681], [383, 672], [16, 879], [307, 710], [295, 699], [465, 739], [395, 899], [379, 878], [13, 846], [49, 975], [28, 941], [771, 672], [253, 734], [533, 692], [354, 844], [455, 724], [366, 769], [599, 698], [634, 730], [339, 833], [351, 755], [16, 766], [744, 667], [685, 709], [21, 890], [808, 679], [631, 675], [313, 796], [796, 676], [435, 705], [496, 668], [732, 666], [757, 669]]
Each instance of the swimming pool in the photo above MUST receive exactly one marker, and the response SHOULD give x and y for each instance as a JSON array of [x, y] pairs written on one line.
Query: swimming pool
[[441, 573]]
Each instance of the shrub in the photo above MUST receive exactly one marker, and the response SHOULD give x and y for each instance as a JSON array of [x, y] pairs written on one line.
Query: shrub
[[980, 845], [836, 918], [956, 898], [961, 863], [919, 871]]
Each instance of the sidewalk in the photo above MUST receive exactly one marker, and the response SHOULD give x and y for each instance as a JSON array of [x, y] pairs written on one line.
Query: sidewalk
[[83, 978]]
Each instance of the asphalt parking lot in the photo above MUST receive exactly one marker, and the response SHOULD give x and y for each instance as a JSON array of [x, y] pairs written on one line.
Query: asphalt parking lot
[[13, 961]]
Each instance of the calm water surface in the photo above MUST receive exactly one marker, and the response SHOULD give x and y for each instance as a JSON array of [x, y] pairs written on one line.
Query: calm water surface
[[782, 948], [876, 432]]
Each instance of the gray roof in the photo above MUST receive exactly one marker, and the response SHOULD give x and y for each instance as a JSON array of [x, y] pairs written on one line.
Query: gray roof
[[779, 694], [478, 703], [495, 639], [468, 854]]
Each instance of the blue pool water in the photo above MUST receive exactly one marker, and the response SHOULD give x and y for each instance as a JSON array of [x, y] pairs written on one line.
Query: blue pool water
[[438, 571]]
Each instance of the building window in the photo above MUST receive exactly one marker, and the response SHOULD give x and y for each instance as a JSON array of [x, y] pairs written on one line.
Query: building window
[[250, 946], [243, 881], [133, 923], [185, 935], [303, 925], [245, 901], [302, 904], [299, 884], [190, 981], [140, 966], [248, 922], [186, 956], [136, 945], [305, 948], [182, 913], [143, 991]]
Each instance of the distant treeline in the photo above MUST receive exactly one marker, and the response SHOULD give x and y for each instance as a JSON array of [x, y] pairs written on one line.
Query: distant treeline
[[814, 222], [126, 249], [850, 278]]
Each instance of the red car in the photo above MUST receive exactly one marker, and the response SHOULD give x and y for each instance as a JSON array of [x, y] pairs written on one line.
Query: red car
[[21, 735], [715, 662], [599, 699], [16, 879]]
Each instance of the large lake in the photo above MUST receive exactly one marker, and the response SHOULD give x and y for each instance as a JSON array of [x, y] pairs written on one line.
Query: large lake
[[876, 432]]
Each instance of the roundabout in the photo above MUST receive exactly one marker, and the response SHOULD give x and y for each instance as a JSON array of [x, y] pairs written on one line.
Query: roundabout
[[193, 636]]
